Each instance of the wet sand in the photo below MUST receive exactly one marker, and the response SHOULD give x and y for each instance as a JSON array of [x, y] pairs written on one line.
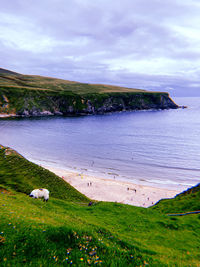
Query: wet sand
[[102, 189]]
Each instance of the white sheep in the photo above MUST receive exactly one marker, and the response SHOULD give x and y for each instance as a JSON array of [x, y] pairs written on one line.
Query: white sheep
[[42, 192]]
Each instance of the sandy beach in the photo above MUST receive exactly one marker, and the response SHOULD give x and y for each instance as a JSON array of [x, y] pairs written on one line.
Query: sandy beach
[[102, 189]]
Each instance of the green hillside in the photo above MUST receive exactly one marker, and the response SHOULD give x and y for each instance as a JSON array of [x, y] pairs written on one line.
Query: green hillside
[[4, 71], [9, 79], [26, 95], [187, 201], [20, 175], [65, 230]]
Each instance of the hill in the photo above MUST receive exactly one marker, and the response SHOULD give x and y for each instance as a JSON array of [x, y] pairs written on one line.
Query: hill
[[65, 230], [29, 95], [35, 82], [186, 201], [23, 176], [4, 71]]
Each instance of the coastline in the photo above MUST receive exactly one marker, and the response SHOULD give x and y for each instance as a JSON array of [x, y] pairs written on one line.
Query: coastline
[[8, 115], [111, 190]]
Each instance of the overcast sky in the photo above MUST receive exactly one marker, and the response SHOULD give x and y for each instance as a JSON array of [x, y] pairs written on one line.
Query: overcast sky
[[150, 44]]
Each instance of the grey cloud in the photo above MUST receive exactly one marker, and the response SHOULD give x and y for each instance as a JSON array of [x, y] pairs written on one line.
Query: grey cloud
[[86, 38]]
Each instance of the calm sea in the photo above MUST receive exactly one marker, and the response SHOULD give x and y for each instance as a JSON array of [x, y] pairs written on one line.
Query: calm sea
[[159, 148]]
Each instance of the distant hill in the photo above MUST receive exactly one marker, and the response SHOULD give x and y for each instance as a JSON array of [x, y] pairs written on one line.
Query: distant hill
[[31, 95], [4, 71], [47, 83]]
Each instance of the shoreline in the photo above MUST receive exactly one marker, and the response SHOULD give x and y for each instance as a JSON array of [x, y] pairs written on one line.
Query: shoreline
[[8, 115], [110, 190]]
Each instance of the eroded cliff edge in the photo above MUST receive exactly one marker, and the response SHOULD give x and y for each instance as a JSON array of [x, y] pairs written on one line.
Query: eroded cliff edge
[[33, 103]]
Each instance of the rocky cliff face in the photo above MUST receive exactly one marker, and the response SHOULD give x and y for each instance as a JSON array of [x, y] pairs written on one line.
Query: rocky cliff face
[[123, 102], [33, 103]]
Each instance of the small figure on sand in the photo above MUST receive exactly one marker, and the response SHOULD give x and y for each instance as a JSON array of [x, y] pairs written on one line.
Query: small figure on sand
[[131, 189]]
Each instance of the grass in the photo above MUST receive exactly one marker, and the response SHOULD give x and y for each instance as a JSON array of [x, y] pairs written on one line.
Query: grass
[[65, 230], [184, 202], [22, 176], [34, 95], [33, 82]]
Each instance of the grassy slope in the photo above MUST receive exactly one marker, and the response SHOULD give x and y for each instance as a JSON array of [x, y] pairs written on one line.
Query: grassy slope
[[187, 201], [33, 82], [21, 175], [65, 229], [4, 71], [10, 79]]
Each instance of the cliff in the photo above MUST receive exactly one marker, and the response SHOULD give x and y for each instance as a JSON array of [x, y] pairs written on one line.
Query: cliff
[[25, 95]]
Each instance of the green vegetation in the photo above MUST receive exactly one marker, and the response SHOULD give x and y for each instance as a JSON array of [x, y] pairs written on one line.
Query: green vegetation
[[184, 202], [65, 230], [35, 95], [23, 176], [16, 81]]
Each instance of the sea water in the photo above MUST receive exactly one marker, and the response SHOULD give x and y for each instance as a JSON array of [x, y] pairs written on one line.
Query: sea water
[[157, 148]]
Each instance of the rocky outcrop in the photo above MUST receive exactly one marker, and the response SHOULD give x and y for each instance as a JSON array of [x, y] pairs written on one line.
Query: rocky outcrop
[[128, 101], [33, 103]]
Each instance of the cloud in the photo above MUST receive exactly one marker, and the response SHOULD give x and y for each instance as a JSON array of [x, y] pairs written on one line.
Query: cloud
[[145, 44]]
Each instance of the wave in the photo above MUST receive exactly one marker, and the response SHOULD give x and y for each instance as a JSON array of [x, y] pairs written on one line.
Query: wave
[[169, 167], [169, 182]]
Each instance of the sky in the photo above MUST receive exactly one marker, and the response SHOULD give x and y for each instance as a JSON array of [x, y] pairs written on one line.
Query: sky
[[146, 44]]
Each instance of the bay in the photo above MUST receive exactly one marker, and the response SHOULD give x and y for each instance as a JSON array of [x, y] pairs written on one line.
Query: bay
[[156, 148]]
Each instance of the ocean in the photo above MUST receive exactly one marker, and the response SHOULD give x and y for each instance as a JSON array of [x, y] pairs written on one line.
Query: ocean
[[156, 148]]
